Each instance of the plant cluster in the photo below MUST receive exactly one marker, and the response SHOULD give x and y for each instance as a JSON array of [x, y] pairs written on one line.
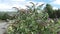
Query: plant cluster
[[34, 21]]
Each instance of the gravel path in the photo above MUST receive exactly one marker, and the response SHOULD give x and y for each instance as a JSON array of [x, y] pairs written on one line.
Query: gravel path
[[3, 27]]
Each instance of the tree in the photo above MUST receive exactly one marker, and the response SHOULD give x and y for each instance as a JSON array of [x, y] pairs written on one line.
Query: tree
[[58, 13], [49, 10]]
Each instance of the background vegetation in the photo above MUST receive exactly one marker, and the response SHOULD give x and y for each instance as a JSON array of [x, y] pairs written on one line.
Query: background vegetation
[[7, 15]]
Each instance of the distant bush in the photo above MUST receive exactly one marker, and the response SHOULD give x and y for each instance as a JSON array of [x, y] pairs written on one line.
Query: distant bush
[[6, 16]]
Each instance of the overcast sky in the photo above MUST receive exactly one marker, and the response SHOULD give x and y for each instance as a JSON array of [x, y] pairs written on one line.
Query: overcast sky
[[8, 4]]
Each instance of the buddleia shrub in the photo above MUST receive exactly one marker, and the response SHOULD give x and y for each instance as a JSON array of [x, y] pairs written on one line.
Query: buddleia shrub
[[31, 21]]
